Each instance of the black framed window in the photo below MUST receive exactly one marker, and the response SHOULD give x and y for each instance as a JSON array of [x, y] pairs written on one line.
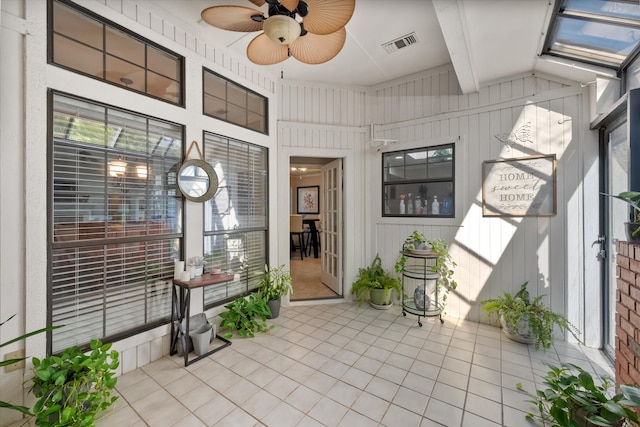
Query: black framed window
[[228, 101], [235, 219], [601, 32], [419, 182], [115, 224], [88, 44]]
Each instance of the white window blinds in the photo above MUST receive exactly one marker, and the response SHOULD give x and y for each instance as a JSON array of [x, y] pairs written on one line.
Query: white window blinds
[[115, 221], [235, 229]]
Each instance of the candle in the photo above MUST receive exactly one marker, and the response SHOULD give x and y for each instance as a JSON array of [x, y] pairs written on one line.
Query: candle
[[178, 269]]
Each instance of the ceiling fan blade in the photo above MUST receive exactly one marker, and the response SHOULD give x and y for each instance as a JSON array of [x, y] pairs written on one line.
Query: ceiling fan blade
[[328, 16], [258, 2], [316, 49], [290, 5], [232, 18], [263, 51]]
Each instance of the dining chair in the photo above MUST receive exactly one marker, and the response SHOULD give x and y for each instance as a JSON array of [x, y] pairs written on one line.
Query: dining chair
[[296, 232]]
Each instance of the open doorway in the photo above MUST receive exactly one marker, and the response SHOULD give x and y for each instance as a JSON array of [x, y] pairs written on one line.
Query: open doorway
[[313, 248]]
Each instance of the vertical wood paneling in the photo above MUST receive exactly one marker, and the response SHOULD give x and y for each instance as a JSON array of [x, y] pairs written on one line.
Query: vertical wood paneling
[[493, 254]]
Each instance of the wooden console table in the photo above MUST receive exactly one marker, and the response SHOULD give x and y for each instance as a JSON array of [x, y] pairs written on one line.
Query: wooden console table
[[180, 310]]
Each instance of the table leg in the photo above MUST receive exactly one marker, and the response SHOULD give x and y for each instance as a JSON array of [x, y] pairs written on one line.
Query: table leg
[[175, 317], [185, 297]]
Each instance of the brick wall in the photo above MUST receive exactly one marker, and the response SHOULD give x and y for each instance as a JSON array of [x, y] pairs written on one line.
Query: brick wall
[[628, 313]]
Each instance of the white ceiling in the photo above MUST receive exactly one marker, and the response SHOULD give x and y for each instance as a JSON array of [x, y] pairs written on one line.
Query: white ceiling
[[485, 40]]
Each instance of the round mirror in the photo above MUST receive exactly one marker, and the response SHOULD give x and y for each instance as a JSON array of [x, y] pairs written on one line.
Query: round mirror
[[197, 180]]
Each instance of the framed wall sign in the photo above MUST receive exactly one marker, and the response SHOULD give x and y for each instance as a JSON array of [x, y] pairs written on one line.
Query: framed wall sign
[[524, 186], [308, 201]]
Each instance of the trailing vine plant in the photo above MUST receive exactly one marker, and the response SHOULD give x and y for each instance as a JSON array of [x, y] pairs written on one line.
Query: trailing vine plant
[[444, 265]]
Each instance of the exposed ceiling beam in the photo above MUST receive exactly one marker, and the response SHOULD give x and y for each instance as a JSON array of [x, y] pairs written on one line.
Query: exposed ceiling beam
[[452, 20]]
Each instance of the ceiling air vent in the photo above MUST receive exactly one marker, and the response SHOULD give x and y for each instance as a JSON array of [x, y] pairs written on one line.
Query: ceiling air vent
[[400, 43]]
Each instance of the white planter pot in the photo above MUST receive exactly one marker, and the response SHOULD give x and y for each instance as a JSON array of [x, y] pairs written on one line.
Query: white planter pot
[[520, 333]]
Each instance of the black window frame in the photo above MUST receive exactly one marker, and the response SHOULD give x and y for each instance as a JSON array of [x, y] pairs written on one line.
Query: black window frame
[[250, 271], [446, 209], [107, 23], [162, 273], [227, 102]]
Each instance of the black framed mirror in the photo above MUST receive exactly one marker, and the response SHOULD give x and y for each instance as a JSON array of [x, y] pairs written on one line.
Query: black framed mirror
[[197, 181]]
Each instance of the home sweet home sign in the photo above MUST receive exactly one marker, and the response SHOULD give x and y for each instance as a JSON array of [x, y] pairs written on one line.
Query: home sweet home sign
[[524, 186]]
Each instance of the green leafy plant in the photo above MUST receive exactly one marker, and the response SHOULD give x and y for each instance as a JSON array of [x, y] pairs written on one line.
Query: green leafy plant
[[632, 198], [521, 316], [246, 316], [444, 265], [374, 277], [411, 242], [8, 362], [73, 387], [275, 283], [572, 397]]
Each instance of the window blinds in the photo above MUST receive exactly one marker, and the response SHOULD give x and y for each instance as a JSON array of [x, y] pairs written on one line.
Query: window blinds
[[116, 221], [235, 218]]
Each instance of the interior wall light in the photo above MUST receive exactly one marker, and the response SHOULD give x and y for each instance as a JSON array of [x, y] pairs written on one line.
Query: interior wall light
[[117, 168], [142, 171]]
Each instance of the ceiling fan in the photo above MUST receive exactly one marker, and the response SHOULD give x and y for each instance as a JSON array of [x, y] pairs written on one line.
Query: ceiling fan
[[312, 31]]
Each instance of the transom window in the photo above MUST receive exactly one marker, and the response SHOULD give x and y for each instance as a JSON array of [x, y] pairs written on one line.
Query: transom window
[[115, 223], [228, 101], [600, 32], [419, 182], [235, 219], [88, 44]]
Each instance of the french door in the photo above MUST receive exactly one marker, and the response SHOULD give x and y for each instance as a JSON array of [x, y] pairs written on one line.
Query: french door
[[331, 225], [615, 175]]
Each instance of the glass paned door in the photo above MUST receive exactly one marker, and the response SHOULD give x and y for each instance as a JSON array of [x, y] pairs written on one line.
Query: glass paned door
[[616, 165], [331, 225]]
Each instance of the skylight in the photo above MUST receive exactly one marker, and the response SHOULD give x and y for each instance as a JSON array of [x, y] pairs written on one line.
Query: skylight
[[600, 32]]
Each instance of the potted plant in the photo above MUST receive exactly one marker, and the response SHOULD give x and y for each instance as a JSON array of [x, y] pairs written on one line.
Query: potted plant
[[74, 387], [197, 262], [375, 283], [632, 228], [11, 361], [276, 283], [444, 265], [525, 320], [246, 316], [572, 398]]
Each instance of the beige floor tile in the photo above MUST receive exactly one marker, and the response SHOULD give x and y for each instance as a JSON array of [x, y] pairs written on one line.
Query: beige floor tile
[[344, 365], [371, 406], [328, 412], [303, 398], [283, 415]]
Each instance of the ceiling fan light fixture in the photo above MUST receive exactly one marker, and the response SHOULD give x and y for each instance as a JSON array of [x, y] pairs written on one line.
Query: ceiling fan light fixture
[[281, 29]]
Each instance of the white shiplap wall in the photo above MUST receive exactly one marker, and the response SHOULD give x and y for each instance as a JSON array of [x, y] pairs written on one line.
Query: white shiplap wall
[[493, 254]]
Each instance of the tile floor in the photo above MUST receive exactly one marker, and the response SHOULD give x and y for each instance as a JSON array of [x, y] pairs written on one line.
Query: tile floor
[[343, 365]]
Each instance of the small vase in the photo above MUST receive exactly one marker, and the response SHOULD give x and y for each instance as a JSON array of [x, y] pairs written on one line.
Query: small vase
[[197, 271], [421, 299]]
